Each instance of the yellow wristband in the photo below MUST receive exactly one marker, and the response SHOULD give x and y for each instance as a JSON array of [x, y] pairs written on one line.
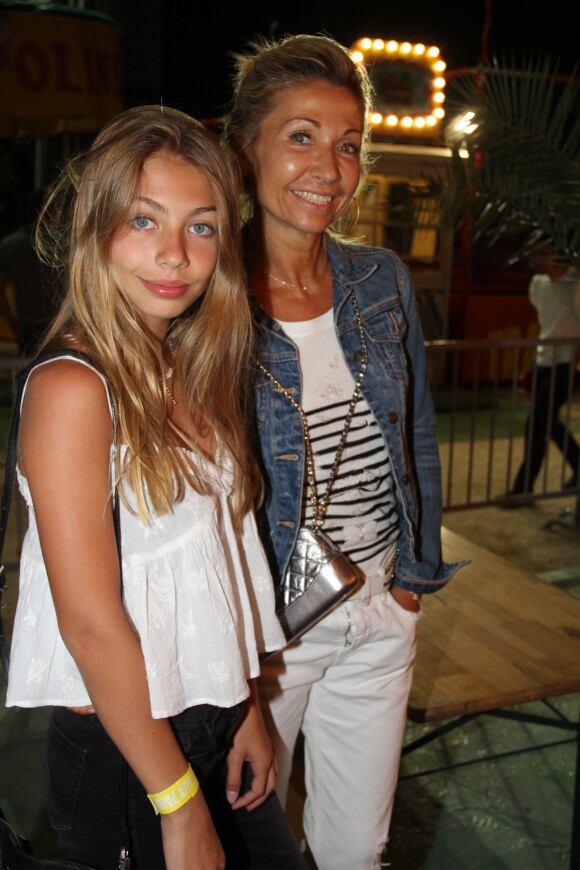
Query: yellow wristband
[[170, 799]]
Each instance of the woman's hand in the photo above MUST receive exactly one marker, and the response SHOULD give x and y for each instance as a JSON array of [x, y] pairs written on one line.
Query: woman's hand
[[251, 744], [190, 839], [407, 600]]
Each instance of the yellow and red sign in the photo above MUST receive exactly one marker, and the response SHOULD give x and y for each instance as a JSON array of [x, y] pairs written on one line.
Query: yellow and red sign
[[59, 71]]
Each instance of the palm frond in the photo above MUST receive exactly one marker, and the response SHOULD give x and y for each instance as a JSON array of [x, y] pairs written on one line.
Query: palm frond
[[521, 175]]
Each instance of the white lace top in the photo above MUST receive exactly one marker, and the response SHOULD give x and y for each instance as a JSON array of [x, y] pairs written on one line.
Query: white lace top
[[199, 595]]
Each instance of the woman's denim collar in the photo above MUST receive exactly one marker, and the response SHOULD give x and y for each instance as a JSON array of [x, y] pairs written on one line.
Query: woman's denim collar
[[350, 266]]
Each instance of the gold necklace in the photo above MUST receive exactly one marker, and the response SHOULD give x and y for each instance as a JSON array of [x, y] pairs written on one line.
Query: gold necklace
[[287, 283], [168, 391], [168, 377]]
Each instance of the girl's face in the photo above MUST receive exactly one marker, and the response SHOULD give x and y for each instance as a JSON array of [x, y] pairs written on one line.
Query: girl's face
[[305, 161], [165, 250]]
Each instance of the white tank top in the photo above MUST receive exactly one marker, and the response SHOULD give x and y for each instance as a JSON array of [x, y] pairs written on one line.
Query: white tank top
[[199, 594]]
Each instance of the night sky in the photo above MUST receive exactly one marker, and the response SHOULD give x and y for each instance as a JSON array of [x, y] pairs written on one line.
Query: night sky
[[196, 64]]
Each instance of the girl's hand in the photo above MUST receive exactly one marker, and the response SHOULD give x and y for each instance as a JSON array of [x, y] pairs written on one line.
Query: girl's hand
[[190, 839], [251, 744]]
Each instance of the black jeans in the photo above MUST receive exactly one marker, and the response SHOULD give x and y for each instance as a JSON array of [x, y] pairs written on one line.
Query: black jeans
[[86, 777], [544, 423]]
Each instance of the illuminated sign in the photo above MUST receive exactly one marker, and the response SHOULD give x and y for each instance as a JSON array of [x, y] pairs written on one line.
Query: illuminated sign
[[59, 71], [409, 86]]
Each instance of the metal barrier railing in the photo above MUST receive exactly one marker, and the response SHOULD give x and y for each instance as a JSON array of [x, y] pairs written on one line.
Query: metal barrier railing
[[485, 395]]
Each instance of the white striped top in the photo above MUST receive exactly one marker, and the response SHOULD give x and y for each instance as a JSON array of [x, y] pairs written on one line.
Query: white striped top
[[361, 517]]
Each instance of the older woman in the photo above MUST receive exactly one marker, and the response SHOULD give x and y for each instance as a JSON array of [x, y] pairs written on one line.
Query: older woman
[[332, 315]]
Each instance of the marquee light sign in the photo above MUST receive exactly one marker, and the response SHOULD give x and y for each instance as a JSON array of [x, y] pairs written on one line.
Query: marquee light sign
[[409, 86]]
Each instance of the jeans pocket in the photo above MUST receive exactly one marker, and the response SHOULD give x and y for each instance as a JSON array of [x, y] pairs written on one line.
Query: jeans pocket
[[64, 764], [411, 617]]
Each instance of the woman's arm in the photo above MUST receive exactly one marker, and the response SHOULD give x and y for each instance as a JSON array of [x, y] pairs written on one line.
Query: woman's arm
[[423, 455], [64, 452]]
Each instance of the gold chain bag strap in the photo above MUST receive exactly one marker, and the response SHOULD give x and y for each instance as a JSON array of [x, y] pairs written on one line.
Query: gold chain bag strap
[[319, 576]]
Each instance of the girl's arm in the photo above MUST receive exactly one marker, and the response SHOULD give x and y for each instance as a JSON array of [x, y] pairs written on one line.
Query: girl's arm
[[64, 452]]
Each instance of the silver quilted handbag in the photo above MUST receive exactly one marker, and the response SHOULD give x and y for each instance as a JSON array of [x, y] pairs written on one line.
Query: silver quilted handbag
[[319, 577]]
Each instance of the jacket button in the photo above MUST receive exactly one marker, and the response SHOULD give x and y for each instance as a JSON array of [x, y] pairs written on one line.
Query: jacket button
[[393, 417]]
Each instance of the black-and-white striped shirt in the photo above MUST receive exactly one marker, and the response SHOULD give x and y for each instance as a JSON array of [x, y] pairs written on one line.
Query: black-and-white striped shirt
[[361, 517]]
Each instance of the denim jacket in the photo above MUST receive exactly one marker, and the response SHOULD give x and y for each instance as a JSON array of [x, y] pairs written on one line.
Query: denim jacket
[[396, 389]]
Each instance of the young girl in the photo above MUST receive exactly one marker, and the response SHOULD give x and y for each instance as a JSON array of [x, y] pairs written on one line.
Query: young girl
[[149, 658]]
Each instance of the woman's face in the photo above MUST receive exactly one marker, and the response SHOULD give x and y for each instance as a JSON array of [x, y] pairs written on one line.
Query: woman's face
[[305, 162], [165, 250]]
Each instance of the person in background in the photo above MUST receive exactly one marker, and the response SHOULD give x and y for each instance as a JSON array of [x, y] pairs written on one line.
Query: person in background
[[150, 656], [555, 294], [35, 287], [331, 313]]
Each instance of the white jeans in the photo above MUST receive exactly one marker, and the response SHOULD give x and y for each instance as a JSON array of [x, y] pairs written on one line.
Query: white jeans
[[346, 683]]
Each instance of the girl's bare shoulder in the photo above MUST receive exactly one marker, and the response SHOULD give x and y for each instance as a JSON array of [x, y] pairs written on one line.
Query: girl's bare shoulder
[[66, 393]]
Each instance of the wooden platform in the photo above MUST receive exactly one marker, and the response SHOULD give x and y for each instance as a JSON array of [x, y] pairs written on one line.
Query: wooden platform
[[494, 637]]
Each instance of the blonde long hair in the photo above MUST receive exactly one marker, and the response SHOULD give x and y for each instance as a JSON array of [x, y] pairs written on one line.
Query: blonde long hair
[[210, 342]]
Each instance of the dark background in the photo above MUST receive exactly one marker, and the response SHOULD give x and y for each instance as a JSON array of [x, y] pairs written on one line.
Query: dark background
[[181, 54]]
